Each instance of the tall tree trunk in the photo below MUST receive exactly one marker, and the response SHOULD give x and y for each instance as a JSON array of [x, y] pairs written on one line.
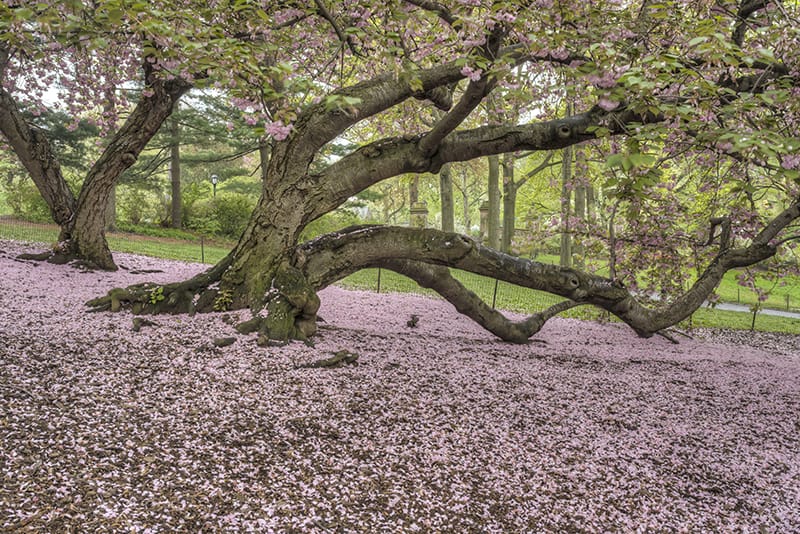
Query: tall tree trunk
[[87, 232], [566, 208], [175, 171], [493, 230], [446, 193], [509, 202], [580, 214], [465, 202]]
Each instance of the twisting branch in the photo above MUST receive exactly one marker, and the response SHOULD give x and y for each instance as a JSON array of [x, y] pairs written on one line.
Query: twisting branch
[[331, 257], [345, 39], [472, 97], [435, 7], [468, 303]]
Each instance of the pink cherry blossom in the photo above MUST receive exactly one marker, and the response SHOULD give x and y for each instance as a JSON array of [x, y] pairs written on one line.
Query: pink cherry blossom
[[278, 130]]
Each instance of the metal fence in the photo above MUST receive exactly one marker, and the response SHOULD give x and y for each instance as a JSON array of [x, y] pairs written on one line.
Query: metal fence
[[199, 249], [499, 294]]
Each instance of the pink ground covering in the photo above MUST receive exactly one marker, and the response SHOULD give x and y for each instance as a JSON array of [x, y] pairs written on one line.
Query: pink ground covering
[[439, 428]]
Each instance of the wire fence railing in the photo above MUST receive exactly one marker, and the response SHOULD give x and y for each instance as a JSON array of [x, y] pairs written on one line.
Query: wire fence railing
[[500, 295]]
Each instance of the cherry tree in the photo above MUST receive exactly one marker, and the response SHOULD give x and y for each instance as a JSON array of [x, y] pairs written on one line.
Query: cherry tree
[[720, 78]]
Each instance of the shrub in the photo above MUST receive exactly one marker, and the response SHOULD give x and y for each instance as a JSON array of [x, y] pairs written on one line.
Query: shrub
[[225, 215], [25, 201]]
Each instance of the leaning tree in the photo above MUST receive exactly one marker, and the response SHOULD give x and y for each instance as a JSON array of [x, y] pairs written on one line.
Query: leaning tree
[[706, 79]]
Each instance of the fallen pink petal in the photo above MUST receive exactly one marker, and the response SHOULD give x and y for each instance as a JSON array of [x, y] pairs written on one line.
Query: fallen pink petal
[[439, 428]]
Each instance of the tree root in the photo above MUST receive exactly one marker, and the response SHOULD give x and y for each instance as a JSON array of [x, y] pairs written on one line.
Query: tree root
[[339, 359], [291, 310], [194, 295]]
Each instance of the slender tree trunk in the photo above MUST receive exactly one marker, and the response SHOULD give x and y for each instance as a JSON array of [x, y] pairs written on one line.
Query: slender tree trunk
[[580, 214], [509, 202], [175, 171], [465, 202], [566, 208], [493, 230], [446, 192]]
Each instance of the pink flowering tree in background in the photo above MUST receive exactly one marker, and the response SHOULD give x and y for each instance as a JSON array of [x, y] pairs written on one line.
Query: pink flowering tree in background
[[705, 80]]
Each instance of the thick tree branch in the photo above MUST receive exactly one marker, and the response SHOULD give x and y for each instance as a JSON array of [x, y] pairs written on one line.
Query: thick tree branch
[[435, 7], [331, 257], [393, 156]]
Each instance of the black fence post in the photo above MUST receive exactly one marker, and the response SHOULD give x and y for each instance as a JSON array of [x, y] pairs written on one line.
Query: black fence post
[[379, 280], [494, 296], [202, 250]]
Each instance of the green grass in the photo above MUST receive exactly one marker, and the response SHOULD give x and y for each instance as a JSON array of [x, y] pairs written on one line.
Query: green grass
[[705, 317], [159, 247], [504, 296]]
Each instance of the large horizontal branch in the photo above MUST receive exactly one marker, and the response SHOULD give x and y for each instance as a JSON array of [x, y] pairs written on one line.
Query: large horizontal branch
[[331, 257], [398, 155]]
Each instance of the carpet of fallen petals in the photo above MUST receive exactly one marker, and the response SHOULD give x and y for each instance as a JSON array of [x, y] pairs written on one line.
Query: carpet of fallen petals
[[438, 428]]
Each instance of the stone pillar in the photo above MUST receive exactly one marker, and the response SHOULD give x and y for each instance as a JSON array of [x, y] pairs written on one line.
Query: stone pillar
[[419, 214]]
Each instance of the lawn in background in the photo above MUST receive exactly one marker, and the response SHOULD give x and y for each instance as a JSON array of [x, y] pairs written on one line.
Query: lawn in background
[[503, 295]]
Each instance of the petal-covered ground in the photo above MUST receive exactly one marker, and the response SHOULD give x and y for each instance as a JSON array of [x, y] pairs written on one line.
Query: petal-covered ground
[[438, 428]]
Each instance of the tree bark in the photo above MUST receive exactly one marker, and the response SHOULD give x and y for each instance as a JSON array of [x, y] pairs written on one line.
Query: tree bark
[[111, 210], [175, 171], [493, 230], [446, 194]]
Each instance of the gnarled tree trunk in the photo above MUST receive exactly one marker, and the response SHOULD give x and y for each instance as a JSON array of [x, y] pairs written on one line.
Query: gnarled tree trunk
[[278, 278]]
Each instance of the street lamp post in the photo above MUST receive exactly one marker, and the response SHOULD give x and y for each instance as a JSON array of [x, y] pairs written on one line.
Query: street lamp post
[[214, 179]]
